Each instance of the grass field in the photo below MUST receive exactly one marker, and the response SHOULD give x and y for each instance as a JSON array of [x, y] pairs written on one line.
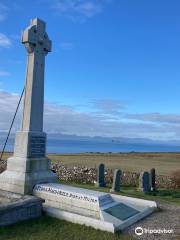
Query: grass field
[[164, 163]]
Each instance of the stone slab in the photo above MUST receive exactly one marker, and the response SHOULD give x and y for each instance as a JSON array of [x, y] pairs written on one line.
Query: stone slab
[[108, 212], [78, 200], [79, 219], [16, 207]]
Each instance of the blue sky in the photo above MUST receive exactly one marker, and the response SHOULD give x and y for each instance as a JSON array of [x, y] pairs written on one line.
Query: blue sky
[[114, 68]]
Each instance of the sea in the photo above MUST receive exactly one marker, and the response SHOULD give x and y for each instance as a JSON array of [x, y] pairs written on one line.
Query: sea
[[71, 146]]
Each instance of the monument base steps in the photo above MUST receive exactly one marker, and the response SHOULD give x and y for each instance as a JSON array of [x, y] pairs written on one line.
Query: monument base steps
[[16, 207], [23, 182]]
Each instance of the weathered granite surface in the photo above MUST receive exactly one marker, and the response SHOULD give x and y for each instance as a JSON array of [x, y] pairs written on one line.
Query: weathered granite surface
[[16, 207]]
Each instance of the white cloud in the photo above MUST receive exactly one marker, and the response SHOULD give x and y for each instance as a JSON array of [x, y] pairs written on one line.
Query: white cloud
[[4, 74], [3, 12], [4, 41], [155, 117], [67, 120], [8, 103], [108, 106], [80, 10]]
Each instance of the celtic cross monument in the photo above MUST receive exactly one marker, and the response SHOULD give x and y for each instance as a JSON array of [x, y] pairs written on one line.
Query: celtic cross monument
[[29, 165]]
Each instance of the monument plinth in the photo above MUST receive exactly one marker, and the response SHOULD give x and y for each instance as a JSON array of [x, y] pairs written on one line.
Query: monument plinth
[[29, 165]]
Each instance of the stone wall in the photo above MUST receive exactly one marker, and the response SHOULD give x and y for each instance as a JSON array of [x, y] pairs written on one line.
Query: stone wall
[[89, 175]]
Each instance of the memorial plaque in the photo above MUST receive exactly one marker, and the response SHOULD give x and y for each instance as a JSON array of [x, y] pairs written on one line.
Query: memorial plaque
[[122, 211], [37, 146]]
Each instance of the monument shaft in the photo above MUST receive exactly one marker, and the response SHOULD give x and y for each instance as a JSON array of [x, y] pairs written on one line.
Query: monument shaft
[[29, 165], [34, 94]]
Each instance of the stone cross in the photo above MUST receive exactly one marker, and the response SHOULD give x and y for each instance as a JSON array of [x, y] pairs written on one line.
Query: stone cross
[[101, 177], [38, 45], [29, 165], [116, 181]]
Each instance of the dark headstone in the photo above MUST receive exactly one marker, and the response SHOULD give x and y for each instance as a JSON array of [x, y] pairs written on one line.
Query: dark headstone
[[144, 182], [100, 176], [153, 179], [116, 181]]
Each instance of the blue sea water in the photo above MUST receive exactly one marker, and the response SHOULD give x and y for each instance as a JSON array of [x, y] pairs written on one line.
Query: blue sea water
[[82, 146]]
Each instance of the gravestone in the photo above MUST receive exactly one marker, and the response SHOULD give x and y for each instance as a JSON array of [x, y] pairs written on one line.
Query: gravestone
[[144, 182], [116, 181], [29, 165], [153, 179], [100, 176]]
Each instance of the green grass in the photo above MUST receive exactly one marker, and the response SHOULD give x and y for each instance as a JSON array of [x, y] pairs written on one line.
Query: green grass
[[163, 195], [46, 228]]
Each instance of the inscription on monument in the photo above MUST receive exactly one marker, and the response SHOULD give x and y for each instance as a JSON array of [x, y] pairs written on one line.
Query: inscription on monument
[[122, 211], [37, 146], [65, 194]]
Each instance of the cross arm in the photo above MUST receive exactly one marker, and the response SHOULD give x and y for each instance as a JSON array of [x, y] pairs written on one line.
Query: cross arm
[[29, 35]]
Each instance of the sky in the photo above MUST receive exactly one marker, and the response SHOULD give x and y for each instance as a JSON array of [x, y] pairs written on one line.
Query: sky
[[114, 69]]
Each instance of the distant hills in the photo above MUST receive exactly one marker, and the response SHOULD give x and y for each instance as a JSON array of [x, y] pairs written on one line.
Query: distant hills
[[119, 140]]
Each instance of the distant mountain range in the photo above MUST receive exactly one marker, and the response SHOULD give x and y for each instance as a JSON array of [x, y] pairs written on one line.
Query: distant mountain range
[[119, 140]]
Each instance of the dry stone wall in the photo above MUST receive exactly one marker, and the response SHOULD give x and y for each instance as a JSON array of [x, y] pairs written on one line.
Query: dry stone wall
[[81, 174], [84, 174]]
